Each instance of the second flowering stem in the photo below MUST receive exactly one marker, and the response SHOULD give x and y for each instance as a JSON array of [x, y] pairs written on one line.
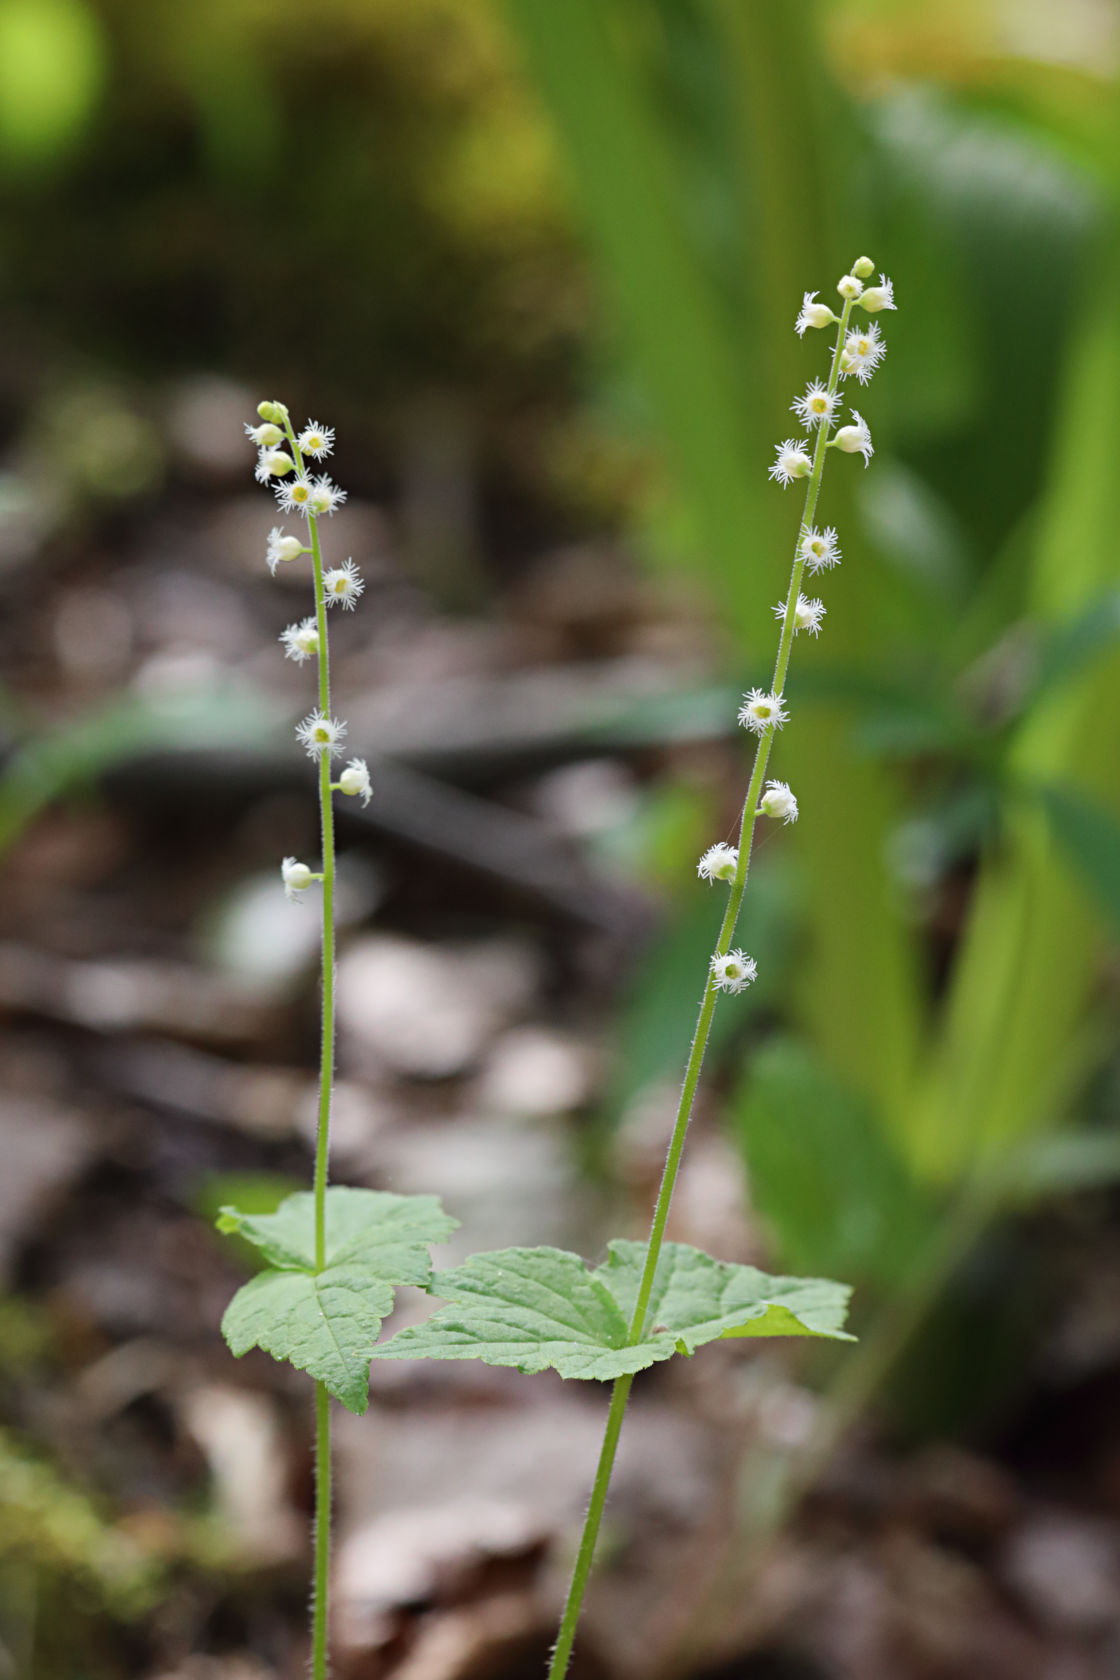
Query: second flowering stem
[[320, 1590], [621, 1390]]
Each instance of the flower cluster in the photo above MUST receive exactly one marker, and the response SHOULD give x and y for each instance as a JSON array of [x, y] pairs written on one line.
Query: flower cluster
[[857, 352], [282, 455]]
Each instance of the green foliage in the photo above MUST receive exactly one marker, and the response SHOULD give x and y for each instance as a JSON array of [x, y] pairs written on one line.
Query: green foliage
[[824, 1175], [1089, 836], [535, 1308], [52, 66], [48, 1524], [326, 1321]]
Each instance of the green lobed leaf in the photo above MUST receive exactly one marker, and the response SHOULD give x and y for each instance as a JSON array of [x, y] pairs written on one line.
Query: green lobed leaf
[[327, 1322], [532, 1308], [388, 1235]]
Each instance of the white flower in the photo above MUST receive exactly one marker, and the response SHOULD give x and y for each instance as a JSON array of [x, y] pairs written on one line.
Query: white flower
[[819, 549], [281, 547], [791, 461], [295, 494], [301, 641], [272, 463], [849, 286], [315, 440], [719, 862], [355, 779], [761, 711], [863, 351], [816, 407], [343, 584], [265, 436], [778, 801], [325, 496], [321, 734], [880, 296], [296, 876], [855, 440], [734, 972], [807, 615], [813, 314]]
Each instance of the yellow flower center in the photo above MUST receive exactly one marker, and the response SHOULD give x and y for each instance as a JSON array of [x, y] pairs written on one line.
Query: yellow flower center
[[818, 405]]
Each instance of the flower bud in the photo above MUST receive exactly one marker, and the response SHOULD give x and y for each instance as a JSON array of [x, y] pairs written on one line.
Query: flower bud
[[266, 436], [855, 440], [812, 314], [879, 297], [863, 268], [274, 463], [274, 411], [778, 802], [849, 286], [355, 780], [296, 876]]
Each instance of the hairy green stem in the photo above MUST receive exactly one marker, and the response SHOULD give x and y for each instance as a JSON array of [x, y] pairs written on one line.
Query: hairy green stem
[[621, 1390], [319, 1599], [320, 1587]]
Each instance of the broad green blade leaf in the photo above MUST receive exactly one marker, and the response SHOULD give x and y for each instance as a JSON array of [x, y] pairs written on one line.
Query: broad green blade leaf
[[387, 1236], [1089, 836], [826, 1176], [325, 1324], [532, 1308]]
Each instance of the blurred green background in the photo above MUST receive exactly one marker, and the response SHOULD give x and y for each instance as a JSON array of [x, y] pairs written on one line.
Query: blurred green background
[[539, 264]]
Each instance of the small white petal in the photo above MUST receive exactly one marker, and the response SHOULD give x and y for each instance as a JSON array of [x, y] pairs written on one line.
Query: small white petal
[[719, 862], [816, 407], [819, 549], [734, 972], [778, 802], [355, 780], [761, 711], [321, 734], [296, 876], [343, 585], [792, 460], [316, 441]]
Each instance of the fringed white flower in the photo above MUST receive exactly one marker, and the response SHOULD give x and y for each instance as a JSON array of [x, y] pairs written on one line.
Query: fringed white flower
[[864, 349], [761, 711], [807, 615], [316, 441], [320, 734], [300, 641], [791, 461], [734, 972], [295, 494], [719, 862], [778, 802], [849, 286], [312, 497], [819, 549], [355, 780], [342, 586], [816, 407]]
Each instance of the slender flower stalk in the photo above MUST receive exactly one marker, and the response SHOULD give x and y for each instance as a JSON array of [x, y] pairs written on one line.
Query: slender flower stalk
[[322, 736], [763, 715]]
